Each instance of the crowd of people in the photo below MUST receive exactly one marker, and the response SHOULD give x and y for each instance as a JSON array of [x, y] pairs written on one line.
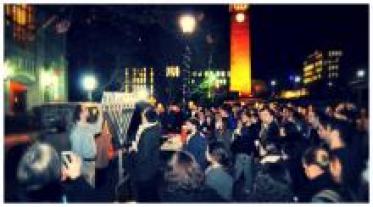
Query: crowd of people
[[259, 152]]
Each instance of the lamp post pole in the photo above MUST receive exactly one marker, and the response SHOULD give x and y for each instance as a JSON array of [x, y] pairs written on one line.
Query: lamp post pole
[[187, 24]]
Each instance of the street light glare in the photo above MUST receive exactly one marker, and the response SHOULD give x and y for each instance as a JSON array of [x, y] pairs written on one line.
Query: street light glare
[[273, 83], [187, 23], [297, 79], [360, 73], [89, 83], [142, 94]]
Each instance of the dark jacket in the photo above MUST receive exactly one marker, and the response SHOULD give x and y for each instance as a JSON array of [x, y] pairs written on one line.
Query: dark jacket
[[271, 134], [224, 137], [245, 143], [202, 194], [271, 186], [197, 146], [79, 191], [146, 159], [74, 191], [313, 187]]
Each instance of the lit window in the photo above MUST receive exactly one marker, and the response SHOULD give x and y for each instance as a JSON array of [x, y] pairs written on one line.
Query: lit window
[[22, 17]]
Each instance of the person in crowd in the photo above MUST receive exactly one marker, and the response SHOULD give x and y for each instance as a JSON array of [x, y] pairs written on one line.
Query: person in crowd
[[335, 169], [206, 125], [271, 184], [82, 140], [104, 145], [222, 134], [313, 123], [269, 132], [294, 147], [174, 119], [145, 151], [196, 144], [243, 149], [46, 177], [184, 181], [161, 113], [217, 174], [231, 114], [335, 133], [320, 188]]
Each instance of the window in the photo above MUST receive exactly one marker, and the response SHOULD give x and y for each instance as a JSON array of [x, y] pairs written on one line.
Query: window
[[22, 18]]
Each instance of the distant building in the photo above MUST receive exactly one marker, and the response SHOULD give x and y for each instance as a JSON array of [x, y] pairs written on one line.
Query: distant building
[[199, 82], [321, 71], [322, 67], [34, 57], [219, 77], [139, 79]]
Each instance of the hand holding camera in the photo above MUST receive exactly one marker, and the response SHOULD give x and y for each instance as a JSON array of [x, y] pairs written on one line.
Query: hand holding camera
[[71, 165]]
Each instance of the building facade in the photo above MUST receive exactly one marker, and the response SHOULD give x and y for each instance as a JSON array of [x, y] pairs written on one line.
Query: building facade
[[139, 79], [240, 49], [34, 58], [218, 78], [322, 66], [321, 71]]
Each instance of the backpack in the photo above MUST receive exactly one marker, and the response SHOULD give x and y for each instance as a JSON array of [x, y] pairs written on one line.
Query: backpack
[[327, 196]]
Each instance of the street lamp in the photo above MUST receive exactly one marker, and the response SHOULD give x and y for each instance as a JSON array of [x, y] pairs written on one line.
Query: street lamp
[[360, 73], [187, 23], [89, 84], [297, 79], [273, 83]]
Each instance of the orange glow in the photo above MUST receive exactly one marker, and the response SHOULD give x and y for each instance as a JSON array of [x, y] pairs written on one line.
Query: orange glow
[[240, 56], [291, 94], [14, 88]]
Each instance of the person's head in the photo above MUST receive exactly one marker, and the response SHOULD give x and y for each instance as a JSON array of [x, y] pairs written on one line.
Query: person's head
[[272, 184], [38, 170], [201, 116], [217, 154], [312, 118], [329, 111], [191, 125], [81, 113], [287, 113], [160, 108], [315, 162], [183, 172], [149, 115], [245, 117], [266, 115], [222, 124], [362, 124]]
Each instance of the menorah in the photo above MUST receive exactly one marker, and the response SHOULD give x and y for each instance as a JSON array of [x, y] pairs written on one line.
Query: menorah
[[118, 109]]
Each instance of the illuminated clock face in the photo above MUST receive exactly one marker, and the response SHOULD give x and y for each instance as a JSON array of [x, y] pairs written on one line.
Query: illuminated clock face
[[240, 17]]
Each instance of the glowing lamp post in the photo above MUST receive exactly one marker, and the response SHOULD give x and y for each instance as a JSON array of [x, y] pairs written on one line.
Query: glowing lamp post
[[273, 83], [360, 73], [89, 84], [187, 23], [273, 86], [297, 79]]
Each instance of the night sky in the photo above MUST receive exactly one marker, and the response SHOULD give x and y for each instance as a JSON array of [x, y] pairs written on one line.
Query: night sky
[[104, 37]]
